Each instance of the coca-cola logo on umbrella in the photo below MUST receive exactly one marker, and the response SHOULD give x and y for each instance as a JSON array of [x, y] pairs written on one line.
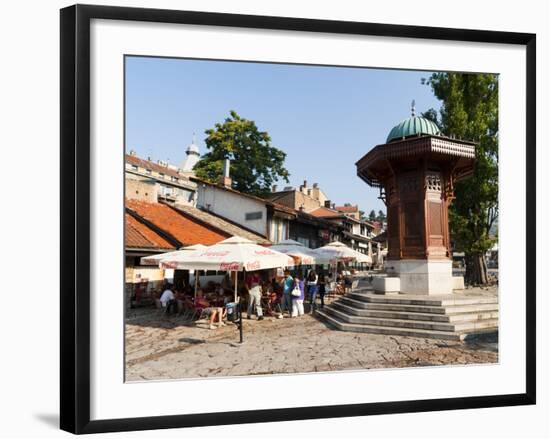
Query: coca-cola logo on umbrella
[[263, 252], [229, 266]]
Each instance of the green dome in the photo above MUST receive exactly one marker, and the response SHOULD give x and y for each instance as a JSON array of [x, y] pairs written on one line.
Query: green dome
[[412, 126]]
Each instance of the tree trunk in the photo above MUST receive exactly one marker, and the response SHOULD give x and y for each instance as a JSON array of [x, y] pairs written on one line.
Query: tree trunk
[[476, 270]]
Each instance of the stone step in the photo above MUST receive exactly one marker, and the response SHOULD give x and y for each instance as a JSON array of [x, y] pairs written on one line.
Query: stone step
[[410, 323], [420, 300], [387, 330], [424, 309], [366, 290], [448, 318]]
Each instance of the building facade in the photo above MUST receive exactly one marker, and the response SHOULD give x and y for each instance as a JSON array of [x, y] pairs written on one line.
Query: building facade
[[173, 184]]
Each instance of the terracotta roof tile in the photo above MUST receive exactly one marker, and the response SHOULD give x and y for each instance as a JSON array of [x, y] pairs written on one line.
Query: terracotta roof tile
[[325, 212], [138, 235], [184, 229], [347, 209]]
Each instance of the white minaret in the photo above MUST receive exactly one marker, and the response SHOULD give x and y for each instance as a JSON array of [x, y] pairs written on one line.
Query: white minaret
[[192, 158]]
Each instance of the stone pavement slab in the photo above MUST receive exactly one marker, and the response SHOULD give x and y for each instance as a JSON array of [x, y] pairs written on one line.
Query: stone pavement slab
[[159, 348]]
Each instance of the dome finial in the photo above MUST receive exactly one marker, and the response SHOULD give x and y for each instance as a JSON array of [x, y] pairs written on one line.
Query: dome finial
[[412, 109], [193, 138]]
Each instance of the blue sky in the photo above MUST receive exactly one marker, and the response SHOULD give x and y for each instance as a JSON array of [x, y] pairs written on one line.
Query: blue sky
[[324, 118]]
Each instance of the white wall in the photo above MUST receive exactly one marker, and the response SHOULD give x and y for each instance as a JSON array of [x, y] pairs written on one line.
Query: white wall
[[233, 207], [30, 41]]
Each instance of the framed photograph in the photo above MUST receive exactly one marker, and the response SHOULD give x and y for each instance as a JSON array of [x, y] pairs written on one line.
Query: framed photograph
[[274, 218]]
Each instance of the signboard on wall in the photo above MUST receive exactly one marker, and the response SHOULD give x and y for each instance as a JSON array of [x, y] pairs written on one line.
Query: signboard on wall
[[250, 216]]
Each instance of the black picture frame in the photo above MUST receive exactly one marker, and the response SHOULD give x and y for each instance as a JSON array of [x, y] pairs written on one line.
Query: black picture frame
[[75, 217]]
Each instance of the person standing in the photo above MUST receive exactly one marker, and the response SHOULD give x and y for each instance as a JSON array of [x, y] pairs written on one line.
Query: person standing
[[312, 288], [288, 285], [254, 284], [322, 283], [297, 295]]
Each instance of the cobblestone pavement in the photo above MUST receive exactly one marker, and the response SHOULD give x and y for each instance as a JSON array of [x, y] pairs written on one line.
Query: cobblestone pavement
[[160, 347]]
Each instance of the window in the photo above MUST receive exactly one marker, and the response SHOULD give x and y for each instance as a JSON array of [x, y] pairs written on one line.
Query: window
[[148, 172], [278, 230], [284, 231], [135, 168], [175, 178]]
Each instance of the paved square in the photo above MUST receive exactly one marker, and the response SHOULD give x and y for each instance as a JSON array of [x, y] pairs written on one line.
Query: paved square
[[160, 348]]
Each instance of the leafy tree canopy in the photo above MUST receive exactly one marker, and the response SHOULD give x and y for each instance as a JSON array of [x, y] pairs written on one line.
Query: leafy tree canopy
[[470, 111], [255, 164]]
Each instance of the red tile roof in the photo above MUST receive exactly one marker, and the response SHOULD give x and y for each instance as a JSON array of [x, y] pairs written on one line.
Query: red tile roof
[[182, 228], [347, 209], [325, 212], [138, 235]]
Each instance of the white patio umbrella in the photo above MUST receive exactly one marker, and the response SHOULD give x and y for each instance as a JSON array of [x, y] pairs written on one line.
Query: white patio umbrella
[[168, 256], [155, 259], [339, 251], [298, 251], [232, 254]]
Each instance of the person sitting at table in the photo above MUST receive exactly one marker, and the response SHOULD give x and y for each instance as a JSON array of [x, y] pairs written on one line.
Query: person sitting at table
[[210, 312], [168, 299]]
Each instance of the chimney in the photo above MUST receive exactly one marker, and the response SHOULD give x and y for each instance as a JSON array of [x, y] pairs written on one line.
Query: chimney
[[305, 183], [226, 179], [315, 185], [327, 204], [334, 206], [274, 188]]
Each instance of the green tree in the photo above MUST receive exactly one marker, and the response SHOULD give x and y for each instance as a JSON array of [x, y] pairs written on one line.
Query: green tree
[[372, 215], [381, 216], [470, 111], [255, 164]]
